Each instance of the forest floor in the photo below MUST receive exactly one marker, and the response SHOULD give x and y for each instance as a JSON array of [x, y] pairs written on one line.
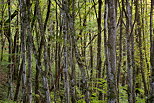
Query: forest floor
[[3, 82]]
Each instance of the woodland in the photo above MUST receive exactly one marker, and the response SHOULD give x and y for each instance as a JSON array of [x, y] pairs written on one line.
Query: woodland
[[76, 51]]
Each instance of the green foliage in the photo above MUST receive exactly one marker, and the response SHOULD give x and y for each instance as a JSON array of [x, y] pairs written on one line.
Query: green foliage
[[7, 101], [98, 101], [123, 94], [140, 100], [123, 97], [94, 99], [140, 90], [5, 63], [81, 101], [85, 24]]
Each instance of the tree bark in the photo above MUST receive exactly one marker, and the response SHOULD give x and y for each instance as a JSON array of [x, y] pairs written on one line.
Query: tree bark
[[10, 81], [23, 17], [65, 16], [130, 62], [111, 53], [151, 99], [29, 53], [99, 45]]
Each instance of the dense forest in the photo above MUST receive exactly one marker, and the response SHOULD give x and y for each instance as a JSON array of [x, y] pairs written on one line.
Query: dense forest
[[76, 51]]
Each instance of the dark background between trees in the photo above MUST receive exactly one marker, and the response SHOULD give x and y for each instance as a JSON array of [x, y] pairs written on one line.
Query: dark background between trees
[[76, 51]]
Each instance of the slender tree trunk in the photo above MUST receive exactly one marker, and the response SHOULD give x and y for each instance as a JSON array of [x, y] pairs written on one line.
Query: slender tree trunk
[[2, 31], [111, 53], [65, 17], [99, 44], [37, 61], [29, 54], [18, 82], [23, 17], [106, 34], [10, 81], [72, 58], [120, 52], [130, 66], [151, 100], [57, 55]]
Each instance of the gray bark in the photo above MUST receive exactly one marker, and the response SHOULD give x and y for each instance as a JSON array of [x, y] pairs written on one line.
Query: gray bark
[[29, 54], [43, 43], [65, 20], [130, 65], [23, 16], [72, 58], [111, 53]]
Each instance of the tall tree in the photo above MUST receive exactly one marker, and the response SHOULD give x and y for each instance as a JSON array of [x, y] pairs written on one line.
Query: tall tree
[[151, 54], [99, 42], [66, 19], [63, 40], [29, 53], [130, 62], [23, 18], [8, 33], [72, 58], [111, 53]]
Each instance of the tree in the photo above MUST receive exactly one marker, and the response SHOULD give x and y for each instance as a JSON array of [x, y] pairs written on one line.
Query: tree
[[151, 54], [23, 16], [66, 19], [111, 53], [130, 62], [59, 51], [99, 57]]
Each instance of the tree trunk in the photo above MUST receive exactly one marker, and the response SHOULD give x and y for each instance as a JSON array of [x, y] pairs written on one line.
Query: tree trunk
[[151, 99], [29, 53], [10, 81], [99, 46], [66, 34], [72, 58], [111, 53], [23, 17], [130, 66]]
